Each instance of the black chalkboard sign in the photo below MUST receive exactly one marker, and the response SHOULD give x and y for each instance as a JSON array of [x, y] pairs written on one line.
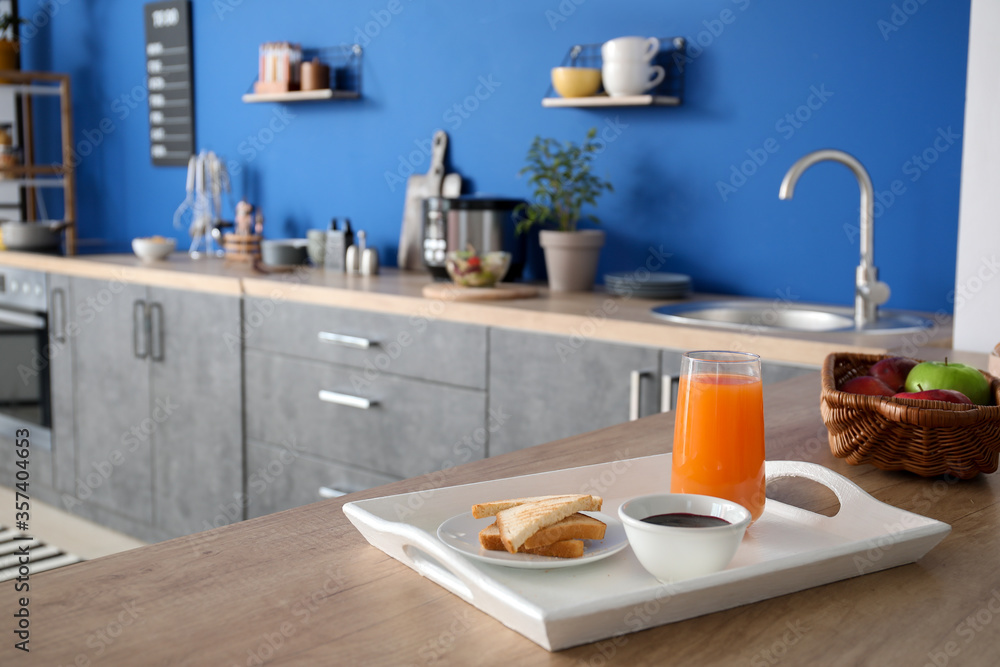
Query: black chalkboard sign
[[168, 76]]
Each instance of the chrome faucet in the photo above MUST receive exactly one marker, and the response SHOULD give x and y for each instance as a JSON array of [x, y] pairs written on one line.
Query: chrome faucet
[[869, 291]]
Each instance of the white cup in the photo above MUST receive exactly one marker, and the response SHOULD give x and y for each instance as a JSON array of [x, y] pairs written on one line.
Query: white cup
[[630, 78], [630, 48]]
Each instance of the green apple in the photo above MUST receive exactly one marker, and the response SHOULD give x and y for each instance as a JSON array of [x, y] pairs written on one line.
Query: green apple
[[944, 375]]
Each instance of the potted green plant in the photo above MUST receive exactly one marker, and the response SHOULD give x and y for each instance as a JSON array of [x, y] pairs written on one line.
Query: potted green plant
[[8, 46], [563, 183]]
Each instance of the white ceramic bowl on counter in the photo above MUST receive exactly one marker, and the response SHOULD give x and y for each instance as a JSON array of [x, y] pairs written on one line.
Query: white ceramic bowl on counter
[[153, 248], [672, 553]]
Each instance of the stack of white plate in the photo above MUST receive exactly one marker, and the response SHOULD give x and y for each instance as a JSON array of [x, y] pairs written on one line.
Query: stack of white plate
[[646, 285]]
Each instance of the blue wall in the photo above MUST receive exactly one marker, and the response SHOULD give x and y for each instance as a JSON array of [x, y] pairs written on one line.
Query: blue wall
[[892, 88]]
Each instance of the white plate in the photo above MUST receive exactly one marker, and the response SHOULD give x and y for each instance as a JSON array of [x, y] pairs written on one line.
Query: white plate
[[461, 533]]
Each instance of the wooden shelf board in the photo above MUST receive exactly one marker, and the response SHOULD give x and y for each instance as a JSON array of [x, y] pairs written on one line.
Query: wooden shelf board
[[302, 96], [606, 101]]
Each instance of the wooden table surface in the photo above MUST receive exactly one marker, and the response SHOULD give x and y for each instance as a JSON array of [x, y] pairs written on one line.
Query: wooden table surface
[[302, 587]]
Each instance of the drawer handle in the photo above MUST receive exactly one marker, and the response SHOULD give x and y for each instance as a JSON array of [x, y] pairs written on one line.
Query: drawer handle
[[635, 393], [345, 399], [667, 392], [346, 341]]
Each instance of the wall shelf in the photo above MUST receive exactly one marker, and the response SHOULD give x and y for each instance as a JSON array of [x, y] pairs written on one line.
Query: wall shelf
[[672, 57], [345, 77], [302, 96], [606, 101]]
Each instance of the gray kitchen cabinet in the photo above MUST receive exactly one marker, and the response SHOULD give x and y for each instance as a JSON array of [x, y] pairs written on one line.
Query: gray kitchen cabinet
[[774, 371], [279, 478], [112, 397], [416, 347], [548, 387], [390, 425], [157, 404], [61, 384], [196, 375]]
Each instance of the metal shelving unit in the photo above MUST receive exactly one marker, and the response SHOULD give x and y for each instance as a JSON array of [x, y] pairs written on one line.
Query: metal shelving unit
[[28, 175]]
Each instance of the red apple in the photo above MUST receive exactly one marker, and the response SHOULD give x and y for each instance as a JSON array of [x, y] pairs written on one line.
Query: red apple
[[947, 395], [866, 384], [893, 371]]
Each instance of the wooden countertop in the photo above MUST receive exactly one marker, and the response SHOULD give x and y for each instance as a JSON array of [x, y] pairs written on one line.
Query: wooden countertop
[[302, 587], [595, 314]]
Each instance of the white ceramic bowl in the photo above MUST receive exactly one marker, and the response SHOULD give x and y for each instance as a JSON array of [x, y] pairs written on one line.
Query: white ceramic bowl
[[670, 553], [153, 248]]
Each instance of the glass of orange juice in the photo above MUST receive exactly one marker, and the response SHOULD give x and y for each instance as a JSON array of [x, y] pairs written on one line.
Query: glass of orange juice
[[719, 430]]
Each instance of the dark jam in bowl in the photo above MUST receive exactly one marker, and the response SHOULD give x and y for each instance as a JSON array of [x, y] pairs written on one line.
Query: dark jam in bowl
[[685, 520]]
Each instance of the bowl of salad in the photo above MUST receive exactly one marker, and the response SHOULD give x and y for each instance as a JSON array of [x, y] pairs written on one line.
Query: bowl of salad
[[469, 269]]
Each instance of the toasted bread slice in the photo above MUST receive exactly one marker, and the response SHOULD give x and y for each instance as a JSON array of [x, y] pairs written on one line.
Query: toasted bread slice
[[520, 522], [564, 549], [483, 510], [489, 538], [574, 527]]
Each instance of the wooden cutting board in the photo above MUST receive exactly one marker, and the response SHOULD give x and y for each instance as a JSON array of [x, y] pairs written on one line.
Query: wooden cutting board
[[453, 292]]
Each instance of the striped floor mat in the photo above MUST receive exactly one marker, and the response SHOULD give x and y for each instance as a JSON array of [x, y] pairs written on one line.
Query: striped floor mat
[[43, 556]]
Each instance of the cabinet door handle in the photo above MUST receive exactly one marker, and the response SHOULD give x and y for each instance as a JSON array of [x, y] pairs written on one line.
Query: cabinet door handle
[[346, 399], [59, 315], [635, 393], [140, 330], [327, 492], [667, 392], [156, 331], [346, 341]]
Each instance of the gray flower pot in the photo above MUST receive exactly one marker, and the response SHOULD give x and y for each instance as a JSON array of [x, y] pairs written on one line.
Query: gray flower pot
[[571, 258]]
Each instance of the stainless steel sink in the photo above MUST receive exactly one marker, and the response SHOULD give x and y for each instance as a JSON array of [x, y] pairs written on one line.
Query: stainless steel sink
[[760, 315]]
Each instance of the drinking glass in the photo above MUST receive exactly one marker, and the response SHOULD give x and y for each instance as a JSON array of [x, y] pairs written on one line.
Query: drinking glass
[[719, 430]]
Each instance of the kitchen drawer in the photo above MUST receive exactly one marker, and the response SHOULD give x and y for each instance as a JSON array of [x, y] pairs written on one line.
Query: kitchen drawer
[[377, 342], [557, 386], [279, 478], [411, 428]]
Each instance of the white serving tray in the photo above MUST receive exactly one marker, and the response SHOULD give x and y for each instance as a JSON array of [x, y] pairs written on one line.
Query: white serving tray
[[788, 549]]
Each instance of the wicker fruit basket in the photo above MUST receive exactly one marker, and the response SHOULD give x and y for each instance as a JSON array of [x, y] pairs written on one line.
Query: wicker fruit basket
[[924, 437]]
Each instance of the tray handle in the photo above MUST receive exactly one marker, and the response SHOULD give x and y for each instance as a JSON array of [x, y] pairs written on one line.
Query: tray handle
[[430, 567], [848, 493], [421, 552]]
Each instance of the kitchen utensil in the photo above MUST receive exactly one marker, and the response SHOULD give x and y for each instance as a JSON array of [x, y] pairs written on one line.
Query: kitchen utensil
[[576, 81], [630, 48], [692, 551], [792, 549], [461, 533], [284, 252], [153, 249], [316, 247], [482, 221], [207, 180], [419, 187], [719, 430], [499, 292], [352, 261], [369, 262], [32, 235]]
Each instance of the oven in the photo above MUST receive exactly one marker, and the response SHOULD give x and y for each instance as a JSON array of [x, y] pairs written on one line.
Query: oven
[[25, 398]]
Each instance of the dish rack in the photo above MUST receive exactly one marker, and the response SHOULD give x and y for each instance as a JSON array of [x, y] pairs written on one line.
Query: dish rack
[[672, 57]]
